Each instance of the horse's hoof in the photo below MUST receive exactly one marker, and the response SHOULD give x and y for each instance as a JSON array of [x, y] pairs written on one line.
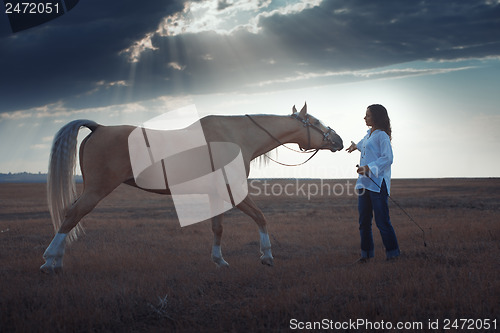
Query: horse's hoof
[[51, 269], [47, 269], [269, 261], [220, 262]]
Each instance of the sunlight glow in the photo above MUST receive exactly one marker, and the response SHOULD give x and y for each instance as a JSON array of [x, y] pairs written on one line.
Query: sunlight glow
[[134, 51], [221, 17]]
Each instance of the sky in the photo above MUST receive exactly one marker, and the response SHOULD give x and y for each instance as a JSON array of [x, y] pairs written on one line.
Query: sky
[[435, 66]]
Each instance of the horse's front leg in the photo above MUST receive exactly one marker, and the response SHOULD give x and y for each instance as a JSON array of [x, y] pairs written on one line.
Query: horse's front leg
[[265, 247], [248, 207], [216, 250], [54, 255]]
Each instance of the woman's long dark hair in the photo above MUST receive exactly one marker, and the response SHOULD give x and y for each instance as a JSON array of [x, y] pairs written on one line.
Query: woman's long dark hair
[[381, 118]]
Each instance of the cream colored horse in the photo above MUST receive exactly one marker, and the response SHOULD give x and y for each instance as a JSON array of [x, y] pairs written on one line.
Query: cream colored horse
[[105, 164]]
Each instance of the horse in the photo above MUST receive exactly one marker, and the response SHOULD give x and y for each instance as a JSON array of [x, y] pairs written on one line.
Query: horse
[[105, 164]]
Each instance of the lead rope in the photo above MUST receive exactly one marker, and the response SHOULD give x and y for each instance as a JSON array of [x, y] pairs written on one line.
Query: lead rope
[[291, 165]]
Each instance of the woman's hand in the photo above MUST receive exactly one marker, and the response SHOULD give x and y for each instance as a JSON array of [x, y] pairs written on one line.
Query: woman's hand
[[363, 170], [352, 147]]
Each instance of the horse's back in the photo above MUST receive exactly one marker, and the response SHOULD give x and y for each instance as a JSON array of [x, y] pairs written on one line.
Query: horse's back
[[106, 158]]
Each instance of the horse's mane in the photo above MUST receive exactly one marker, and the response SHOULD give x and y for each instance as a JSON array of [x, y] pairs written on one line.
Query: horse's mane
[[263, 160]]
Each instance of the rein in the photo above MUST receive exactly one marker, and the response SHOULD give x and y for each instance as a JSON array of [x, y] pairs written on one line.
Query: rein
[[303, 151]]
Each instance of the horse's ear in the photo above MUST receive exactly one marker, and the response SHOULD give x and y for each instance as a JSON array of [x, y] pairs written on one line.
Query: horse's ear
[[303, 111], [294, 110]]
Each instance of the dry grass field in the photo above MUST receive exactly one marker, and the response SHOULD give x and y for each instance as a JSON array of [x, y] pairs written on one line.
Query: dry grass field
[[137, 270]]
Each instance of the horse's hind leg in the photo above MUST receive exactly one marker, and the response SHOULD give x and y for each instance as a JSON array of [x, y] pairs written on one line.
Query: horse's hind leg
[[216, 250], [248, 207], [54, 254]]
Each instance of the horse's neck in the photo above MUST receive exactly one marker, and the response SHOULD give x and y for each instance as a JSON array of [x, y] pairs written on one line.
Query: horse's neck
[[280, 129]]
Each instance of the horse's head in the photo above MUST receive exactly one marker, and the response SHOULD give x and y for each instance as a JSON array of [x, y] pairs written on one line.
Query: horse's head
[[316, 134]]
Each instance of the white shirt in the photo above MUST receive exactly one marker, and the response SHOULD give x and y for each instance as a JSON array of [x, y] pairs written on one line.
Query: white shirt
[[376, 152]]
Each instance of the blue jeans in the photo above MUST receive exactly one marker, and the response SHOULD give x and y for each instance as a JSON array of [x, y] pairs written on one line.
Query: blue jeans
[[373, 203]]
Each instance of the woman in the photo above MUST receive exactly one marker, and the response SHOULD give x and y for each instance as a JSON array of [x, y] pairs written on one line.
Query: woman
[[374, 183]]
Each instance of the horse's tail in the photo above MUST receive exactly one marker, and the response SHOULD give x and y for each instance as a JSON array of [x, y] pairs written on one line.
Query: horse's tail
[[61, 188]]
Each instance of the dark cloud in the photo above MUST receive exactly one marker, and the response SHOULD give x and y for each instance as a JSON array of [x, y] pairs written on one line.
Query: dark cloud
[[364, 34], [223, 4], [66, 57], [76, 57]]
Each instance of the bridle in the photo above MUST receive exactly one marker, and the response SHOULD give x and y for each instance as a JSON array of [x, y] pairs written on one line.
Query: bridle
[[306, 123]]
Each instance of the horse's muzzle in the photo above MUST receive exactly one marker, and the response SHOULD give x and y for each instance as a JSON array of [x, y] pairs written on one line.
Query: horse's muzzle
[[337, 143]]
